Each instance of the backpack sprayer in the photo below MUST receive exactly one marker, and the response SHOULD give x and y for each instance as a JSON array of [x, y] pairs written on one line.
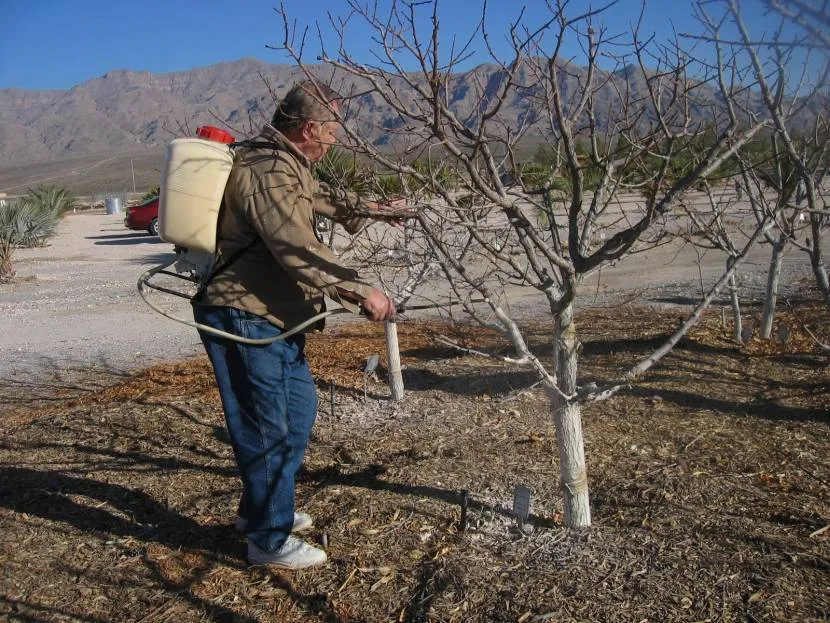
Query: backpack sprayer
[[193, 181]]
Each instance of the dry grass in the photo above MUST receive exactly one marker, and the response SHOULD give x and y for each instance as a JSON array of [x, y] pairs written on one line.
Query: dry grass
[[710, 483]]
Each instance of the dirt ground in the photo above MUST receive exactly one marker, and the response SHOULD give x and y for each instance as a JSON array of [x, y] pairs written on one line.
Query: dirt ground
[[709, 478], [710, 484]]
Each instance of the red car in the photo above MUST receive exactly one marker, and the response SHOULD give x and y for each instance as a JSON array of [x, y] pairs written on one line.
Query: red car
[[144, 216]]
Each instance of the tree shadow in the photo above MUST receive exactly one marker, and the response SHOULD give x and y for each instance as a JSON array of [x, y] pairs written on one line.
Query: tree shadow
[[369, 478], [652, 343], [433, 580], [43, 614], [48, 494], [127, 461], [118, 511], [472, 384], [152, 258], [53, 496], [47, 379], [128, 238], [686, 301], [766, 409]]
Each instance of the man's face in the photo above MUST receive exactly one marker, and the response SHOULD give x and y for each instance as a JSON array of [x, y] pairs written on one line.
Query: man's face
[[323, 137]]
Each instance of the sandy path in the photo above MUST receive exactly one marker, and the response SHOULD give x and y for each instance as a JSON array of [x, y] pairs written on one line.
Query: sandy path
[[75, 304]]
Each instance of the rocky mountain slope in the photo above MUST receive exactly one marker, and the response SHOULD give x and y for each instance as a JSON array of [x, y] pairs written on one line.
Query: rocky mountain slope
[[127, 111]]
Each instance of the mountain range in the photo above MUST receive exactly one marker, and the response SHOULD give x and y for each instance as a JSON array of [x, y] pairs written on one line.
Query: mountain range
[[126, 112]]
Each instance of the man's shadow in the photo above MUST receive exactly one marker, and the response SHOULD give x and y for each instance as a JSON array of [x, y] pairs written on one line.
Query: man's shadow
[[48, 494]]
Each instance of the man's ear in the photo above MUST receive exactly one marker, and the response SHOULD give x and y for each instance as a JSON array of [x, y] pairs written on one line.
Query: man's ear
[[307, 130]]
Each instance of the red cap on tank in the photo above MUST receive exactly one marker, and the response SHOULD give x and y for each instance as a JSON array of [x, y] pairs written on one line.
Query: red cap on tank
[[211, 133]]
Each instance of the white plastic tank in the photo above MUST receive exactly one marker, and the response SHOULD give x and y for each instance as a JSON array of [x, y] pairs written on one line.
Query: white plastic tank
[[192, 183]]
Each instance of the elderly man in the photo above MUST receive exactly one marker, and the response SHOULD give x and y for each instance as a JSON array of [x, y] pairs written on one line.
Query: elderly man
[[272, 273]]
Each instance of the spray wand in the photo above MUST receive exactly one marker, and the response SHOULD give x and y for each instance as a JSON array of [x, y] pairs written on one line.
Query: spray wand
[[144, 282]]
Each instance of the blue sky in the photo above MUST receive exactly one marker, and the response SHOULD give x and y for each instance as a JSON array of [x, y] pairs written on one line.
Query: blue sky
[[56, 44]]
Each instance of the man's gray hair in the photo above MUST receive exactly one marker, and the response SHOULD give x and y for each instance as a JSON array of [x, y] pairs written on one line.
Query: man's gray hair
[[306, 101]]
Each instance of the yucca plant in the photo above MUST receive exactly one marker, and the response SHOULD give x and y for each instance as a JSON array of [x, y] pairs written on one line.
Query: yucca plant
[[15, 219], [340, 169], [30, 222], [52, 200], [439, 173]]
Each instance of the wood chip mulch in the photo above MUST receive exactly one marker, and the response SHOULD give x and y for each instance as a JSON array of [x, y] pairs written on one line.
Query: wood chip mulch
[[710, 484]]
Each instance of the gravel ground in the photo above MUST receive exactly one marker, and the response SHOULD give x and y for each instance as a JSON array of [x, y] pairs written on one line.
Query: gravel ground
[[74, 306]]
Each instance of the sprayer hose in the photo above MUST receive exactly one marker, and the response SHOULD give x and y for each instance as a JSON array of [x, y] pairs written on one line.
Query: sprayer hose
[[143, 281]]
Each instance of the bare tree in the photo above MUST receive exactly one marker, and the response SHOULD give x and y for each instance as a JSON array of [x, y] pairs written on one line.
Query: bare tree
[[643, 124], [794, 95], [813, 16], [715, 223], [775, 191]]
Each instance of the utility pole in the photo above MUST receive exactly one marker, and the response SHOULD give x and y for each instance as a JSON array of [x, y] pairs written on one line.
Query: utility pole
[[132, 170]]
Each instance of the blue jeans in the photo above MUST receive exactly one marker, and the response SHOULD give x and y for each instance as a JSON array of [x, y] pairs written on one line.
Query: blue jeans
[[270, 405]]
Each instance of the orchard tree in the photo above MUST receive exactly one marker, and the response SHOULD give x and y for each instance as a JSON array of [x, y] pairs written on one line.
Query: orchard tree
[[790, 72], [617, 121]]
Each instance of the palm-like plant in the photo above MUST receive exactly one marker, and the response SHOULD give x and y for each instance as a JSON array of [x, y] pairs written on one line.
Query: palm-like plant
[[340, 169], [30, 222], [52, 200]]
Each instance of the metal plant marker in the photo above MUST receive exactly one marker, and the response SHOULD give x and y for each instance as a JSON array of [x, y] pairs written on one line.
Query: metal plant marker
[[465, 503], [371, 365], [521, 504]]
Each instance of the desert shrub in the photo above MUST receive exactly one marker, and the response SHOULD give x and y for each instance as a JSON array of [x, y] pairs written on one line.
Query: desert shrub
[[533, 175], [151, 194], [387, 184], [51, 200], [536, 176], [340, 169], [38, 213], [439, 173]]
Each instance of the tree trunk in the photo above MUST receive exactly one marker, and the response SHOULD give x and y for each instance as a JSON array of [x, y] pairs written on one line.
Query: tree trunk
[[393, 356], [567, 416], [737, 323], [771, 297], [6, 265], [816, 259]]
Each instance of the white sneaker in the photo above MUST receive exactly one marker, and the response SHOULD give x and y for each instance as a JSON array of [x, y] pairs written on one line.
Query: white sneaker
[[302, 522], [294, 554]]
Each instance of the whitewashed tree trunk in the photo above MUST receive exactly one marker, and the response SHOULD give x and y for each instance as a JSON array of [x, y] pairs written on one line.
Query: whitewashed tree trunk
[[567, 416], [773, 276], [816, 259], [737, 322], [393, 356]]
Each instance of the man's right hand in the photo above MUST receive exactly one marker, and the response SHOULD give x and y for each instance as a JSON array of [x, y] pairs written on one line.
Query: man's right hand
[[378, 306]]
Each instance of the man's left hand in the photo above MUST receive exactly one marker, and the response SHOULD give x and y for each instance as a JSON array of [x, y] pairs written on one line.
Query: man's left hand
[[393, 210]]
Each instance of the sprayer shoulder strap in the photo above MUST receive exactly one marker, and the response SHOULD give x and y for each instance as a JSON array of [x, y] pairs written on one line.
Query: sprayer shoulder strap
[[254, 144], [220, 267]]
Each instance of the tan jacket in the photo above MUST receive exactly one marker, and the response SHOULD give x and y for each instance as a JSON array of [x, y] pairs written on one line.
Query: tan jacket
[[270, 200]]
